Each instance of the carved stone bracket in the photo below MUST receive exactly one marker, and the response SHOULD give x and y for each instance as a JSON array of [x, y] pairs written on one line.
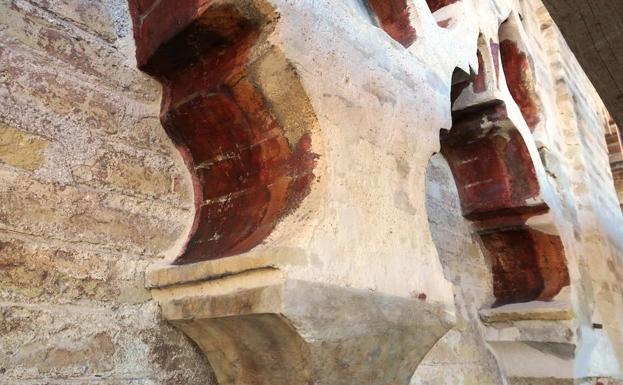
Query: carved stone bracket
[[245, 137], [262, 328]]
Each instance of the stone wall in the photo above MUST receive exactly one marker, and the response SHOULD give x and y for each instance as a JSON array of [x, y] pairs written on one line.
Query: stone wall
[[575, 156], [595, 211], [93, 193]]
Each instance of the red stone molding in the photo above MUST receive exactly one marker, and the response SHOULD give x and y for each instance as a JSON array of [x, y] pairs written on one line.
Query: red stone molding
[[250, 163]]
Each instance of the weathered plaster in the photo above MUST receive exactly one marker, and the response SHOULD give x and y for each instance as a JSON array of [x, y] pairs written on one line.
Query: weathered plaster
[[376, 269]]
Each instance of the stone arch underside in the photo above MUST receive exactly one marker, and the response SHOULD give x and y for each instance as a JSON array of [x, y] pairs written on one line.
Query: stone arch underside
[[497, 185], [248, 153], [464, 348], [499, 195]]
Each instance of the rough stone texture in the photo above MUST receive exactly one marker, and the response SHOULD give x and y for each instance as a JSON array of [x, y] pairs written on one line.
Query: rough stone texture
[[350, 279], [91, 194], [595, 215]]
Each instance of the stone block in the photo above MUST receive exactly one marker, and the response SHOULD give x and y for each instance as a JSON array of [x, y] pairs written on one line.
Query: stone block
[[77, 215], [38, 273], [259, 327], [90, 15], [105, 113], [21, 149]]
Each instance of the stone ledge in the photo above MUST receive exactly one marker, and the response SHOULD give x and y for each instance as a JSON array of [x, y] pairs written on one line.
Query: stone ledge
[[259, 327], [529, 311], [160, 276], [533, 340]]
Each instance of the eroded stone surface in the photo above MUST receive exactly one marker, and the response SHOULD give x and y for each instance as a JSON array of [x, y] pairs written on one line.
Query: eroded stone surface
[[20, 149], [301, 324], [93, 193]]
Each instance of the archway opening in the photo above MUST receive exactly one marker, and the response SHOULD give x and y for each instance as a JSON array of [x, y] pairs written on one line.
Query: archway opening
[[470, 272]]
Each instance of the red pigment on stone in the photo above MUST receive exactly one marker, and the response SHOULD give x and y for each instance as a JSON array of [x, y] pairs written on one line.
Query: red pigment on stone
[[436, 5], [393, 17], [457, 89], [444, 23], [495, 179], [534, 268], [517, 68], [493, 169], [460, 81], [246, 175]]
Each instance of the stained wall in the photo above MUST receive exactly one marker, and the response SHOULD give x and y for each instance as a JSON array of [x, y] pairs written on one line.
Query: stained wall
[[576, 159], [93, 193]]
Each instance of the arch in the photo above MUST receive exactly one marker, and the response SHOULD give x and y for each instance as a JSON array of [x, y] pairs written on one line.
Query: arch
[[249, 155], [226, 342], [470, 272]]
